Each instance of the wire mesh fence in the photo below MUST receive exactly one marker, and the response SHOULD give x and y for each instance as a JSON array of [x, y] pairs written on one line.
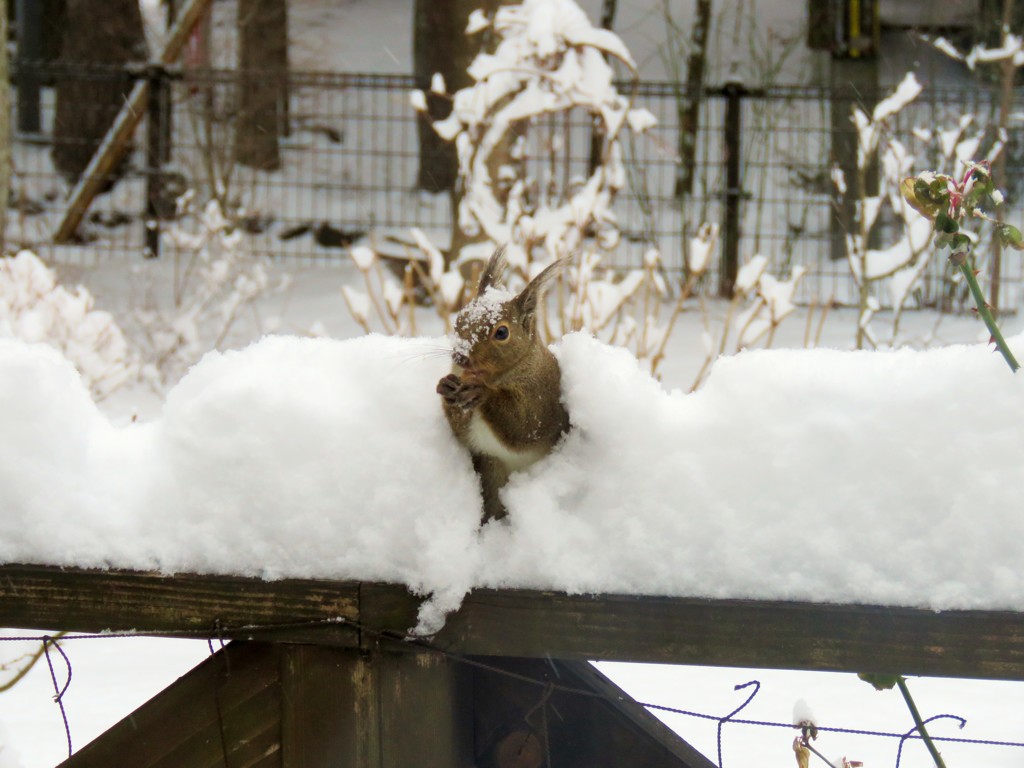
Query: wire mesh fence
[[346, 157]]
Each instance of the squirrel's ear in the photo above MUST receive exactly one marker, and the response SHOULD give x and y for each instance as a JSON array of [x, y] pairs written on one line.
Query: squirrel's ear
[[493, 271], [530, 298]]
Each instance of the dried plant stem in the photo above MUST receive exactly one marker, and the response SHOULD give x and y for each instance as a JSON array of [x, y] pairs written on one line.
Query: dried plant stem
[[727, 323], [375, 299], [821, 321], [807, 327], [355, 315], [709, 358], [759, 304], [773, 324], [684, 294], [410, 299]]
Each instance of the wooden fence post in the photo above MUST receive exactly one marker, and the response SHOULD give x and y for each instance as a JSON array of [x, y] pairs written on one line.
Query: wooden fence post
[[115, 143]]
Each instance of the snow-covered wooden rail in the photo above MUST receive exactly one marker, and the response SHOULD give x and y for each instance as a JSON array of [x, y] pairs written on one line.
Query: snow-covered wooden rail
[[521, 623]]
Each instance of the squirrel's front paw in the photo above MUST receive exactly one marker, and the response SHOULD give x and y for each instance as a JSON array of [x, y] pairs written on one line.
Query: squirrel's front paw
[[457, 393]]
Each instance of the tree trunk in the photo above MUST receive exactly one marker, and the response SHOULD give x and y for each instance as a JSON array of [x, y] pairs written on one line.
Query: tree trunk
[[97, 33], [689, 104], [440, 45], [263, 82], [853, 82], [30, 20], [54, 17], [608, 9]]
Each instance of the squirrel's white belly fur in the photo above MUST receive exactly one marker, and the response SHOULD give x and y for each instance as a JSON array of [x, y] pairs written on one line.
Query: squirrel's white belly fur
[[483, 440]]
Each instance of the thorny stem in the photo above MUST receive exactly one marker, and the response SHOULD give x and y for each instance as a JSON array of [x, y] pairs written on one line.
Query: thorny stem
[[902, 683], [960, 259]]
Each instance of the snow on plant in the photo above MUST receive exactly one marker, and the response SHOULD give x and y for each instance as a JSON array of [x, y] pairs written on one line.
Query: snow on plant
[[34, 308], [549, 60], [1010, 49], [390, 306], [803, 748], [215, 281], [901, 264], [904, 261]]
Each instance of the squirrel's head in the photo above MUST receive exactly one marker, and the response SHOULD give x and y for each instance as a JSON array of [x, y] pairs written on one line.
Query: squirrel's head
[[498, 329]]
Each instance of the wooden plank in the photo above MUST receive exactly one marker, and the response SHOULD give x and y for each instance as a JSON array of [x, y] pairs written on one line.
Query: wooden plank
[[115, 143], [624, 713], [328, 709], [347, 708], [181, 725], [741, 633], [426, 711], [607, 729], [43, 597], [745, 633]]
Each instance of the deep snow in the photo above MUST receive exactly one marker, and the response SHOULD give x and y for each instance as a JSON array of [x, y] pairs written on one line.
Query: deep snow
[[822, 475], [803, 475]]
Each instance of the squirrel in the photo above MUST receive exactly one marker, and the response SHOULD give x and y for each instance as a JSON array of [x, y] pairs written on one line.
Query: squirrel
[[503, 396]]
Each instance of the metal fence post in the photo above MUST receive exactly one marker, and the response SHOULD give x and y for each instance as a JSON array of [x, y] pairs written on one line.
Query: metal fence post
[[733, 192], [30, 54], [155, 157]]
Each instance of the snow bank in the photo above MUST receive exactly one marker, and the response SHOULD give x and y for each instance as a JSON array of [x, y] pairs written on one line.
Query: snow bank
[[295, 457], [886, 477]]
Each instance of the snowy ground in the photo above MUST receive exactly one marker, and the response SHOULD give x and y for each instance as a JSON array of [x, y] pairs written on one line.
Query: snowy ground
[[875, 410]]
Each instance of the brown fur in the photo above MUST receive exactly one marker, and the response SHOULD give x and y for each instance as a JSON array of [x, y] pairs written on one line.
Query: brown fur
[[513, 385]]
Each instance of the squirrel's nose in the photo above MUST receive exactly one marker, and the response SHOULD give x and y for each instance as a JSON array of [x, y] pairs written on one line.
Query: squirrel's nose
[[460, 360]]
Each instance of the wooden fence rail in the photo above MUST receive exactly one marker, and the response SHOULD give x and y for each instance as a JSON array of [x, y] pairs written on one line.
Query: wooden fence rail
[[746, 633]]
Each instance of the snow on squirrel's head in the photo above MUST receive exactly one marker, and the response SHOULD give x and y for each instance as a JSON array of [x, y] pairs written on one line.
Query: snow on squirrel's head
[[498, 329]]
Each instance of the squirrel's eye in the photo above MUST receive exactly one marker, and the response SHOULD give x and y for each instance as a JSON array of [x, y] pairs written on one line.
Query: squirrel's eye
[[501, 333]]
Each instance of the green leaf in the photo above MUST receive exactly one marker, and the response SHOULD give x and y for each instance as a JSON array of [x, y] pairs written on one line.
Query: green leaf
[[945, 223], [946, 231], [926, 199], [981, 189], [1010, 236], [960, 243], [881, 682]]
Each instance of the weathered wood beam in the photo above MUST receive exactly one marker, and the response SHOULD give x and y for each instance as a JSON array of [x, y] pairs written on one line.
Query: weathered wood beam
[[183, 725], [43, 597], [115, 143], [747, 633]]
